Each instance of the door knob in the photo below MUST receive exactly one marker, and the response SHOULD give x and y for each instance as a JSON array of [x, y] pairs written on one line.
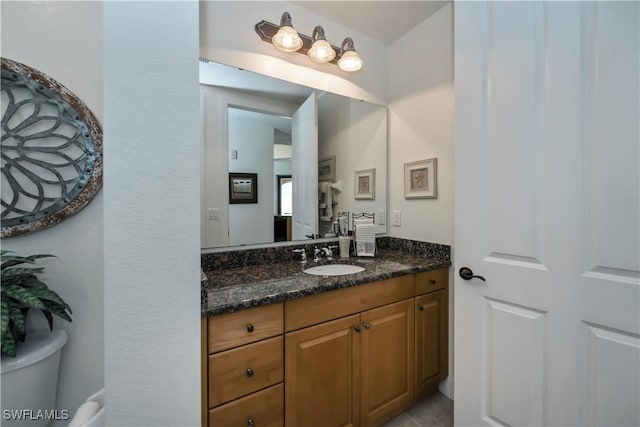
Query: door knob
[[467, 274]]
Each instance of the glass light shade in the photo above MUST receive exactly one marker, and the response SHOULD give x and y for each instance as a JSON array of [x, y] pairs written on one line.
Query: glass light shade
[[350, 61], [287, 39], [321, 51]]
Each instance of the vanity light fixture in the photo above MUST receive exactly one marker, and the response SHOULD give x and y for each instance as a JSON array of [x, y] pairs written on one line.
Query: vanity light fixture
[[349, 58], [287, 39], [317, 48], [321, 50]]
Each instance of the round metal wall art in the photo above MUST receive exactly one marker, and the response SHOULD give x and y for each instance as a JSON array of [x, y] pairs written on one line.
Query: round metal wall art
[[51, 148]]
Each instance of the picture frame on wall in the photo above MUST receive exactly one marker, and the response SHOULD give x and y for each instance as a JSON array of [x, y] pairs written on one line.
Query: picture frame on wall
[[243, 188], [365, 184], [327, 169], [421, 179]]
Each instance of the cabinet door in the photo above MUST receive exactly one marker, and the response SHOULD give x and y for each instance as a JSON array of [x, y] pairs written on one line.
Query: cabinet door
[[387, 347], [431, 341], [322, 374]]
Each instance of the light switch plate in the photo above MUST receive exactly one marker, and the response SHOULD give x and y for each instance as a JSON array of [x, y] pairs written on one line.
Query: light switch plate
[[381, 217], [396, 218], [213, 214]]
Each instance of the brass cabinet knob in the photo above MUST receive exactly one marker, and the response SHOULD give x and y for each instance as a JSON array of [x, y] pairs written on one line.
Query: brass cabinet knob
[[367, 326], [250, 328], [356, 328], [250, 422], [249, 372], [421, 308]]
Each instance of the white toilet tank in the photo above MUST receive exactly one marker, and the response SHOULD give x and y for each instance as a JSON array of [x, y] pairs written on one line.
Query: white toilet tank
[[30, 381]]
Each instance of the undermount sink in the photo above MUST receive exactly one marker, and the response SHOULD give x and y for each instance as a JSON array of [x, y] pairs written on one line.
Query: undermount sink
[[333, 270]]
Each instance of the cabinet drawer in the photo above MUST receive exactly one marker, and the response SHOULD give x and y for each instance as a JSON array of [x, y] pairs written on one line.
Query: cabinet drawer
[[429, 281], [234, 329], [316, 309], [240, 371], [262, 409]]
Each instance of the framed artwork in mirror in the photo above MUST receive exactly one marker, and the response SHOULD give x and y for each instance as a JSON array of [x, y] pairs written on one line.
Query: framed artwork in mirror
[[327, 169], [421, 179], [365, 184], [243, 188]]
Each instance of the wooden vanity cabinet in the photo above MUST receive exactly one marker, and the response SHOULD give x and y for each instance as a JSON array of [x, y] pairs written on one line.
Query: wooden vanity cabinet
[[357, 356], [244, 367]]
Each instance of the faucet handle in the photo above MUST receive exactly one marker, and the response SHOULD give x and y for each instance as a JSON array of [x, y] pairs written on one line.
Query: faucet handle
[[303, 255]]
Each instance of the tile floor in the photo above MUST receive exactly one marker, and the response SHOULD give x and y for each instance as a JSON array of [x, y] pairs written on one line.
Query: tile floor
[[435, 411]]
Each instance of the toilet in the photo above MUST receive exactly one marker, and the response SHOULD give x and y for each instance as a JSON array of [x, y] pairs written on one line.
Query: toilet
[[30, 380]]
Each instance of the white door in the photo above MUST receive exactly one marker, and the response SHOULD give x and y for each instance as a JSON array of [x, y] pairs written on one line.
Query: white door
[[547, 210], [304, 173]]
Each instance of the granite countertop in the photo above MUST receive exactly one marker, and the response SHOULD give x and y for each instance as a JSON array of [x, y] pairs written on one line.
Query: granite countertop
[[234, 289]]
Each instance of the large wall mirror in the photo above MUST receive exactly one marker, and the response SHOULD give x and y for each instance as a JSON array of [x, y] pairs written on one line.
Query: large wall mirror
[[281, 161]]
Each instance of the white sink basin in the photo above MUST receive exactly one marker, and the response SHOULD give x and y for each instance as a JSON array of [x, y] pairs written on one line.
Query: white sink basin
[[334, 270]]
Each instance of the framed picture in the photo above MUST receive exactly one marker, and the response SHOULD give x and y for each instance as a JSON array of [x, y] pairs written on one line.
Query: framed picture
[[327, 169], [243, 188], [365, 183], [421, 179]]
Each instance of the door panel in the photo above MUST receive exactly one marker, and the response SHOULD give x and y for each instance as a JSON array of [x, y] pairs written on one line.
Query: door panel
[[304, 174], [515, 363], [322, 374], [387, 361], [547, 208]]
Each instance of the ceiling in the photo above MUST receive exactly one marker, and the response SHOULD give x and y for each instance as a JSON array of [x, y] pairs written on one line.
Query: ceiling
[[384, 21]]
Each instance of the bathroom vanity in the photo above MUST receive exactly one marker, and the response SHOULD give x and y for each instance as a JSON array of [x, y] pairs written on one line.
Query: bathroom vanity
[[288, 348]]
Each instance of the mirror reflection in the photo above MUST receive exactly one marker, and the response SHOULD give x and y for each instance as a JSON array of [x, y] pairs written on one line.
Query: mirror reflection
[[281, 161]]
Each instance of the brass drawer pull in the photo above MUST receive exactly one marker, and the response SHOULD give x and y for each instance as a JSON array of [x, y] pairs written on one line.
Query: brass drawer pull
[[250, 328], [249, 372]]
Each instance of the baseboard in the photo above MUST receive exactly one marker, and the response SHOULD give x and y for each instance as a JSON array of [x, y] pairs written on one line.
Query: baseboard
[[446, 387]]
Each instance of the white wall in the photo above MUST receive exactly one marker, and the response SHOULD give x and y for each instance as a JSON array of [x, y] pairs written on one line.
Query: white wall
[[356, 133], [246, 50], [252, 222], [421, 114], [46, 36], [151, 220], [421, 123]]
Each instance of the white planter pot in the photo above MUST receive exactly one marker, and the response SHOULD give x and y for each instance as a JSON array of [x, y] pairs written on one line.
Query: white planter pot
[[30, 380]]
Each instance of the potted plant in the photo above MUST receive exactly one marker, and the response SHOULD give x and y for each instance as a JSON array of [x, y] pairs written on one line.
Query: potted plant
[[21, 292]]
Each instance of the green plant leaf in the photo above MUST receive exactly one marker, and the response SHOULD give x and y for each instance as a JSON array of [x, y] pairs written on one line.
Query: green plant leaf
[[20, 271], [5, 317], [49, 317], [25, 295], [48, 295], [17, 318], [8, 345], [34, 283]]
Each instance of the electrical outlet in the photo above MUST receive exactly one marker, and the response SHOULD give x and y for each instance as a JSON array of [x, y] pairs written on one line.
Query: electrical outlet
[[234, 154], [396, 218], [213, 214]]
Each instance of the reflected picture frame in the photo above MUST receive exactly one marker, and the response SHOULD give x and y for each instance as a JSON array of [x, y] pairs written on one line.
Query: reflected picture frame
[[421, 179], [327, 169], [243, 188], [365, 184]]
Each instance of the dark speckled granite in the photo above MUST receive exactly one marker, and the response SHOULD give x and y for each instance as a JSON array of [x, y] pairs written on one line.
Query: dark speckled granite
[[414, 247], [248, 285]]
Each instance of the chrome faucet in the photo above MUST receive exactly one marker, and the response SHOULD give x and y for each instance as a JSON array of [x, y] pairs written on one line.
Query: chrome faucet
[[329, 252], [316, 254], [303, 255]]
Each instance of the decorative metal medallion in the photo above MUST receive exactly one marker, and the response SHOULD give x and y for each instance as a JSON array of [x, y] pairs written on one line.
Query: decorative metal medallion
[[51, 148]]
